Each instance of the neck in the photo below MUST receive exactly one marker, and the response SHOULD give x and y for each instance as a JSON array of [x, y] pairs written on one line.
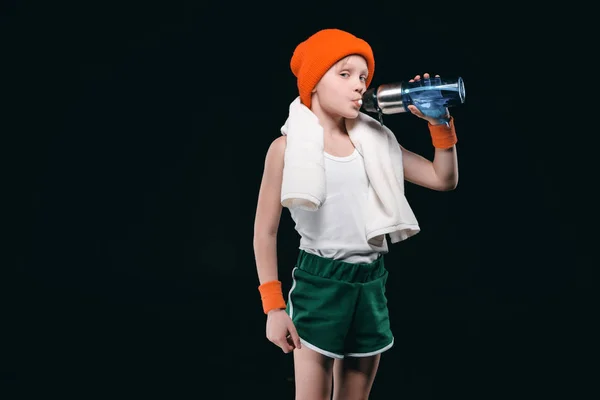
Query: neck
[[332, 124]]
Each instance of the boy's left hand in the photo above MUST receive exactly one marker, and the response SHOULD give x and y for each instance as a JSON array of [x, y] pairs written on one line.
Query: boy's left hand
[[435, 116]]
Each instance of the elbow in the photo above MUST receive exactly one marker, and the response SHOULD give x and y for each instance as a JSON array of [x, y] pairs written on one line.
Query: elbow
[[449, 185], [261, 235], [452, 185], [450, 188], [264, 229]]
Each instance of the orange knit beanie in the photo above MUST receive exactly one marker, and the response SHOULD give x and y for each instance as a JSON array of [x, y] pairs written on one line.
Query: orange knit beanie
[[314, 56]]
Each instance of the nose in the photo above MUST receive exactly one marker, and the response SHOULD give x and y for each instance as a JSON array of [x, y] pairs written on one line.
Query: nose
[[360, 88]]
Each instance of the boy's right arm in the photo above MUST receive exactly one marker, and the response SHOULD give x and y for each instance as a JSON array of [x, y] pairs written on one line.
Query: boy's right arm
[[268, 212], [280, 328]]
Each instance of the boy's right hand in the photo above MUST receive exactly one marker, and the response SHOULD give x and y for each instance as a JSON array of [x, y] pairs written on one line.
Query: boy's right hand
[[281, 331]]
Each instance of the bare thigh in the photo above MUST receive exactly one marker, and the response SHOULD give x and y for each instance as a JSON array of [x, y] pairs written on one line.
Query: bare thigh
[[313, 374], [353, 377]]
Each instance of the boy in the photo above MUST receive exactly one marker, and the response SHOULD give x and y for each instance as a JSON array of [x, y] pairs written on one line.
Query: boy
[[336, 320]]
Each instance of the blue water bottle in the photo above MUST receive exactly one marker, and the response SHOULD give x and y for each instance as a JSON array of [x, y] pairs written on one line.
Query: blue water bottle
[[431, 96]]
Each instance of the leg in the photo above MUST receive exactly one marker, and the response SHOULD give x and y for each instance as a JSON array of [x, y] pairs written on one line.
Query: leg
[[354, 376], [313, 375], [321, 310], [369, 336]]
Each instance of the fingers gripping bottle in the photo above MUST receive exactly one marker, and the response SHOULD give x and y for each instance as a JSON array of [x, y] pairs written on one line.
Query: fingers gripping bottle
[[431, 96]]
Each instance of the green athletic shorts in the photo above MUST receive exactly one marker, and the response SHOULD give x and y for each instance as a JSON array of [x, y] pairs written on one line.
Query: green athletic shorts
[[340, 309]]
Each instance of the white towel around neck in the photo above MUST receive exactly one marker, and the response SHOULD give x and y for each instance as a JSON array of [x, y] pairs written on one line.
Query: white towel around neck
[[304, 184]]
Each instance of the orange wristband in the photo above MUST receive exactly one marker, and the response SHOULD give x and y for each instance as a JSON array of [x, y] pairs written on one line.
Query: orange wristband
[[271, 296], [443, 136]]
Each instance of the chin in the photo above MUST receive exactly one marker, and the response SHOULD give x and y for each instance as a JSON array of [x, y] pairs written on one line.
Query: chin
[[352, 115]]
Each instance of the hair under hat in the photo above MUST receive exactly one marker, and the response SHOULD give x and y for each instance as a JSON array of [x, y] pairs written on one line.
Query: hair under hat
[[313, 57]]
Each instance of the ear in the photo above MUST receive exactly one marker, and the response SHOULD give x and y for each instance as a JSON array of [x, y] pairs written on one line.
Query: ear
[[314, 89]]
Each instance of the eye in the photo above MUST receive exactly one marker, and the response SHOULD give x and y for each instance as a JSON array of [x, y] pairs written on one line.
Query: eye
[[363, 78], [345, 74]]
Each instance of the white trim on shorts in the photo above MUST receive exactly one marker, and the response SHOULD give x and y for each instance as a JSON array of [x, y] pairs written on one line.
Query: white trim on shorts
[[290, 293], [319, 350], [371, 353]]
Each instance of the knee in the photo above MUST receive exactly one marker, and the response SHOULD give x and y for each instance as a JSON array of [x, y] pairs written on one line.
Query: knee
[[312, 395]]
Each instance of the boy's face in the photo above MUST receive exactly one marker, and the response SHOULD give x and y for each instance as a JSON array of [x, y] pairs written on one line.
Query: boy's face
[[342, 86]]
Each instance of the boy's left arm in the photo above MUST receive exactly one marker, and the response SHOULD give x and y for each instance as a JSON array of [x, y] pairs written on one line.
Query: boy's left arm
[[441, 173]]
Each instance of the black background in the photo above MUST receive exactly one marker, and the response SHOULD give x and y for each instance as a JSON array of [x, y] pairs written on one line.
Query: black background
[[135, 143]]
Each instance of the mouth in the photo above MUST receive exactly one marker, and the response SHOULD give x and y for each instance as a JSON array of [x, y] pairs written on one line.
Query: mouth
[[357, 103]]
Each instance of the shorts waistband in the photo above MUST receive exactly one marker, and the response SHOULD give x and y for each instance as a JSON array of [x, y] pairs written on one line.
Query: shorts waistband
[[340, 270]]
